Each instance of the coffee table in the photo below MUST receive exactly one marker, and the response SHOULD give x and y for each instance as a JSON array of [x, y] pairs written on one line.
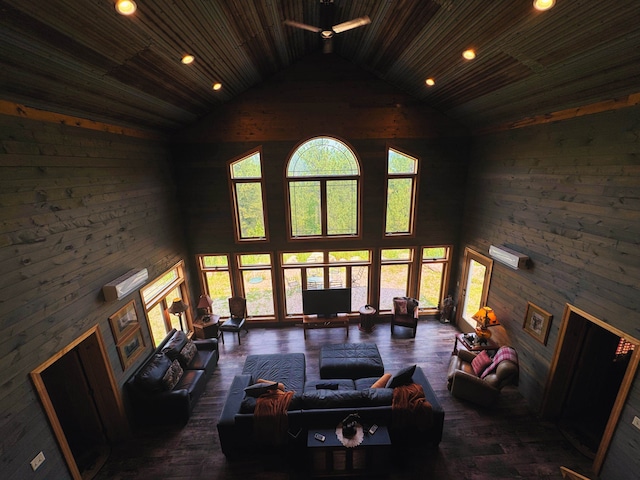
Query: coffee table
[[331, 459]]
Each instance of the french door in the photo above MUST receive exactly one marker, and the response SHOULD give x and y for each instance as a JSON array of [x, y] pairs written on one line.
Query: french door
[[476, 275]]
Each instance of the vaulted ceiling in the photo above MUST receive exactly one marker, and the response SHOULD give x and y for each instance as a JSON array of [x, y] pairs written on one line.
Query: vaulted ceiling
[[80, 57]]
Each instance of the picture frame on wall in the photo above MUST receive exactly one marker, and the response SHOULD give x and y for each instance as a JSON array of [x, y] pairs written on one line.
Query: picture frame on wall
[[131, 348], [124, 321], [537, 322]]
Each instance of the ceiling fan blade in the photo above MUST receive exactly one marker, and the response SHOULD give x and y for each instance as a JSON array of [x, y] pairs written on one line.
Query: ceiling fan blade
[[303, 26], [356, 22]]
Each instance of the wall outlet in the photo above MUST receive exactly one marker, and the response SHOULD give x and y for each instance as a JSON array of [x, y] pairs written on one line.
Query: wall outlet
[[37, 461], [636, 422]]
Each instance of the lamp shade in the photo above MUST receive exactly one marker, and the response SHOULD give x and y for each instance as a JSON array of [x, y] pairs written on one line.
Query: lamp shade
[[486, 317], [178, 306], [205, 301]]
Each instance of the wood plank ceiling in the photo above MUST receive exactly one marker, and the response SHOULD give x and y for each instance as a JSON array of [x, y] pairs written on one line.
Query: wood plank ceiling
[[79, 57]]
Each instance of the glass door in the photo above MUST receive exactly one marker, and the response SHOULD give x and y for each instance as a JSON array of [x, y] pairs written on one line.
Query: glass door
[[475, 287]]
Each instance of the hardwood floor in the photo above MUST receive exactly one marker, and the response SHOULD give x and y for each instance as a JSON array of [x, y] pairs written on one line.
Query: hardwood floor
[[506, 442]]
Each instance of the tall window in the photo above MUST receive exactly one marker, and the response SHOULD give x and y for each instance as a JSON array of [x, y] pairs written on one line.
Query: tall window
[[433, 276], [216, 279], [248, 201], [328, 269], [158, 296], [323, 180], [395, 268], [257, 283], [402, 175]]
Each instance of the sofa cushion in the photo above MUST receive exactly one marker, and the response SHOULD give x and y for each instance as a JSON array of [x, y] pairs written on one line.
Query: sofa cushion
[[350, 360], [481, 362], [327, 399], [172, 376], [402, 377], [150, 376], [175, 344], [334, 384], [288, 368]]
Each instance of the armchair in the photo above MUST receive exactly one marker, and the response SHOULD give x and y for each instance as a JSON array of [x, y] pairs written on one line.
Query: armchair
[[237, 320], [483, 388], [405, 313]]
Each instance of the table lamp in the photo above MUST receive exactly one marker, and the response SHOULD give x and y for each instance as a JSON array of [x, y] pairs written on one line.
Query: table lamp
[[204, 305], [485, 318]]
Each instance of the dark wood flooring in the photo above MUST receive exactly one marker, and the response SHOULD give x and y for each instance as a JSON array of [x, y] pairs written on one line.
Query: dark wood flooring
[[506, 442]]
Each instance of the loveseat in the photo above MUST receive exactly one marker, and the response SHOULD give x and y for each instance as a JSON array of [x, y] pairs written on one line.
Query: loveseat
[[168, 384], [315, 403]]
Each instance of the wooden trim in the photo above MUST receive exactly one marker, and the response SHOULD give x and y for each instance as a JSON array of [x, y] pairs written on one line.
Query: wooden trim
[[41, 389], [19, 110], [599, 107]]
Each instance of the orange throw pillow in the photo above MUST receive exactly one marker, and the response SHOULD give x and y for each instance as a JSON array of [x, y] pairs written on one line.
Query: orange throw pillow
[[382, 381]]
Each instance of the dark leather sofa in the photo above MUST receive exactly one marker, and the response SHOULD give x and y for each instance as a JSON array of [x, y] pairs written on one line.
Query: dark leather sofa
[[313, 406], [153, 397]]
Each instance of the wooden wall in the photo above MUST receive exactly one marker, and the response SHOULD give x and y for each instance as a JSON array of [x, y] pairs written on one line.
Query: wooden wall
[[322, 95], [78, 208], [567, 195]]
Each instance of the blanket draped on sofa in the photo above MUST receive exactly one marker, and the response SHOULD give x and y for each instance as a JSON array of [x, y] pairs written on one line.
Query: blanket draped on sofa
[[410, 408], [270, 417]]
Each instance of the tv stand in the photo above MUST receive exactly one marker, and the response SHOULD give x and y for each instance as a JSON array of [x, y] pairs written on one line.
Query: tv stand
[[314, 321]]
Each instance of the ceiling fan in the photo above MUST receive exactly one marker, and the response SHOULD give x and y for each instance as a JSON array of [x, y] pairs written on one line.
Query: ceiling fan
[[327, 29]]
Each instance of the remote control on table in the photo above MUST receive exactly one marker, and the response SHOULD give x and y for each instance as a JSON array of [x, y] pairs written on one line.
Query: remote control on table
[[319, 437], [373, 429]]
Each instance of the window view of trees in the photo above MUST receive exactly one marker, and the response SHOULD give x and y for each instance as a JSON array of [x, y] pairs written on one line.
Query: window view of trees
[[246, 175], [402, 173], [432, 276], [323, 178]]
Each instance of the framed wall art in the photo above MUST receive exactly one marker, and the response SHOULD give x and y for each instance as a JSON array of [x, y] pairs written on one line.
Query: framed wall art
[[131, 348], [124, 321], [537, 322]]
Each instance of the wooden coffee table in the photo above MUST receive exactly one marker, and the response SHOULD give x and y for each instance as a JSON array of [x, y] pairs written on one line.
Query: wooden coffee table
[[332, 459]]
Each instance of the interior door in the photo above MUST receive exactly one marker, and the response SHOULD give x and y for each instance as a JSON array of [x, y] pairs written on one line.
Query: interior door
[[476, 274]]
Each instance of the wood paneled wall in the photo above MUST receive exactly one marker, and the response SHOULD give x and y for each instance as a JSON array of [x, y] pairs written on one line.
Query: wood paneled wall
[[321, 96], [78, 208], [567, 195]]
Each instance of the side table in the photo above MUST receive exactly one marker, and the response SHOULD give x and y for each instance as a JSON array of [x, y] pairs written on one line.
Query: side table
[[207, 327], [470, 342], [367, 315]]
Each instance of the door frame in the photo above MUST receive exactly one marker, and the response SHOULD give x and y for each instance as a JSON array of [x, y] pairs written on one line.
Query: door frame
[[102, 381], [563, 362], [470, 254]]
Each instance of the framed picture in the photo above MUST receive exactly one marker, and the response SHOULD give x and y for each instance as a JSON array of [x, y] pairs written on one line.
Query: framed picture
[[131, 348], [537, 323], [124, 321]]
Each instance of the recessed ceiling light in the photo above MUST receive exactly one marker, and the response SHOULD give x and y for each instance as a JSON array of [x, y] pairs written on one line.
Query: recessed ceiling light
[[187, 59], [469, 54], [217, 86], [126, 7], [543, 5], [430, 82]]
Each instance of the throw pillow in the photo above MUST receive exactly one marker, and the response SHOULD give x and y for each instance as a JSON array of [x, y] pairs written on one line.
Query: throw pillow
[[172, 376], [280, 385], [382, 381], [481, 362], [400, 305], [174, 345], [403, 377], [187, 353], [150, 377], [259, 388]]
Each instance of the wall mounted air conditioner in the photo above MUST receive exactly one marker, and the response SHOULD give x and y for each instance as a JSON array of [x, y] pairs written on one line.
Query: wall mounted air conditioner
[[508, 257], [125, 284]]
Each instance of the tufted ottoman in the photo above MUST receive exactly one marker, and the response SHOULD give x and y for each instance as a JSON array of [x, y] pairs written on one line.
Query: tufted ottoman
[[350, 360]]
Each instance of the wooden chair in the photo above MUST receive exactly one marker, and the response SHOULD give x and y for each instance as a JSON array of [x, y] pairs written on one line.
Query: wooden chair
[[405, 313], [238, 311]]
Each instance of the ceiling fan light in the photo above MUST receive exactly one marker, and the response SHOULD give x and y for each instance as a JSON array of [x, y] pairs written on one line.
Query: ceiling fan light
[[126, 7], [187, 59], [543, 5], [430, 82], [469, 54], [216, 86], [326, 34]]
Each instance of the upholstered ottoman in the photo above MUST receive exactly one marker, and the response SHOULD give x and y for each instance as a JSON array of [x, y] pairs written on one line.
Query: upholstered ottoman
[[350, 360]]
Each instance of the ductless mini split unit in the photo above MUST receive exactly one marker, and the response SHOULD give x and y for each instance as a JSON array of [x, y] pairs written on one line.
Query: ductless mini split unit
[[125, 284], [508, 257]]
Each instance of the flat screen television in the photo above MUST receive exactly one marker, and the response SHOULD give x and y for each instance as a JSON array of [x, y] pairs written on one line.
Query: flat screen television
[[326, 302]]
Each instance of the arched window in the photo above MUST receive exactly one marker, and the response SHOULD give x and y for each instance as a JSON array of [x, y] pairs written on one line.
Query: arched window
[[323, 178]]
